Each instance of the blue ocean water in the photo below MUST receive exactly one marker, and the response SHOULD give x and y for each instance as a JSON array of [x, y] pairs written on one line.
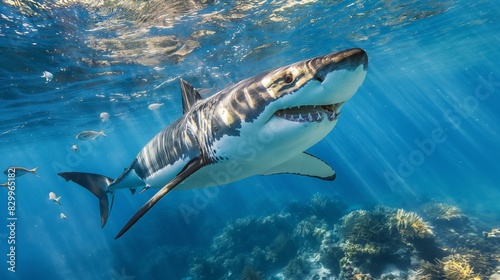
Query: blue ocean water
[[423, 127]]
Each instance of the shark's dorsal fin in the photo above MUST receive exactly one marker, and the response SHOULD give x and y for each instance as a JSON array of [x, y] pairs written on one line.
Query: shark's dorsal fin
[[188, 170], [189, 96], [306, 165]]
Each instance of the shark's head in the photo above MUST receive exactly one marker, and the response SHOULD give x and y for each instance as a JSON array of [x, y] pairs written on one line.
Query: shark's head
[[314, 90], [294, 106], [299, 104]]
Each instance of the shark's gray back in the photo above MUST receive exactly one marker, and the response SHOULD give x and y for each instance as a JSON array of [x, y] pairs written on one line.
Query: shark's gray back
[[242, 102], [176, 141]]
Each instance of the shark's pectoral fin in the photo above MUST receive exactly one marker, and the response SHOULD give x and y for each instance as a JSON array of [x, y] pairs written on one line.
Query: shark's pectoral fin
[[306, 165], [188, 170]]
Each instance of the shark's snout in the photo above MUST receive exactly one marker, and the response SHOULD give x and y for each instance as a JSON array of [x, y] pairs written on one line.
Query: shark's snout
[[344, 60]]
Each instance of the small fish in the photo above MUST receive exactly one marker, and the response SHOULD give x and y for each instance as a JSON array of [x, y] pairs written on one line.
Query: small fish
[[154, 106], [104, 116], [53, 196], [6, 184], [90, 135], [74, 148], [48, 76], [63, 216], [494, 233], [20, 171]]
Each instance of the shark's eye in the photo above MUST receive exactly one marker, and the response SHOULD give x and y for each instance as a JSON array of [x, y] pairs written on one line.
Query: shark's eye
[[288, 78]]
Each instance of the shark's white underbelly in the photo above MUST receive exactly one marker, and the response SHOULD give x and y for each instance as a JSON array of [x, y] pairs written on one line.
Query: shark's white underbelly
[[255, 152]]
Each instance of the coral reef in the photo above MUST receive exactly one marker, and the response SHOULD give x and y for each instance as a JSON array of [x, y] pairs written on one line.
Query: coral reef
[[350, 272], [310, 231], [454, 229], [364, 226], [410, 225], [368, 236], [257, 246], [457, 267], [296, 269], [442, 212], [249, 273], [395, 236], [248, 242], [428, 271], [461, 264], [416, 234], [384, 243]]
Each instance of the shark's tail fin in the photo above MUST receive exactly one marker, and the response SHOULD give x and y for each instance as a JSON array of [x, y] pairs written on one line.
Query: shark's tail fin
[[97, 185]]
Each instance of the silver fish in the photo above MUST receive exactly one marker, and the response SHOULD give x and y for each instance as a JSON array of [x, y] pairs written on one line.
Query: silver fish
[[48, 76], [53, 196], [104, 116], [154, 106], [20, 171], [89, 135]]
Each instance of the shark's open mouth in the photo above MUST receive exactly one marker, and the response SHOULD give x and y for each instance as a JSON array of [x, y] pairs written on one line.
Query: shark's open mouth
[[310, 113]]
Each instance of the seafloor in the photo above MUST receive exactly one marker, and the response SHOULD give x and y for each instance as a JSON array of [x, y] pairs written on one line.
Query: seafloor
[[322, 239]]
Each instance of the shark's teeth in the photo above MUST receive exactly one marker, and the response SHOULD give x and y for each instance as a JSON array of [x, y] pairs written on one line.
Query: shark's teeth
[[319, 118], [313, 113], [332, 116]]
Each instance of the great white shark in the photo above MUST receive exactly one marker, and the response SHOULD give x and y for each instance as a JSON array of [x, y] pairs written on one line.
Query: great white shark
[[289, 109]]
